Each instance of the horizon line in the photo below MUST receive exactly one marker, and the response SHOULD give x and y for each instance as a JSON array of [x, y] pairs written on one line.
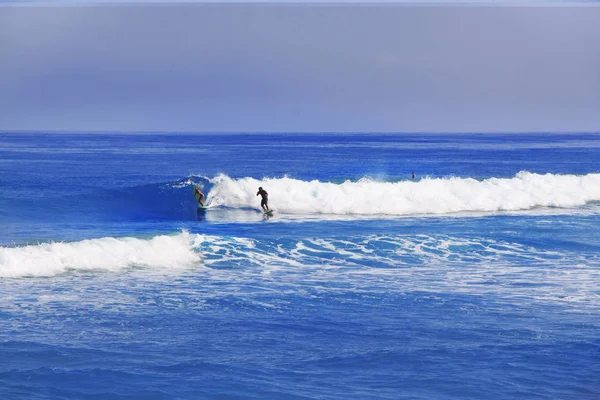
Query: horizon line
[[285, 3], [116, 132]]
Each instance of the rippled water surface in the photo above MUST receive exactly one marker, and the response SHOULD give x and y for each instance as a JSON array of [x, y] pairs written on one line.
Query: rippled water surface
[[478, 279]]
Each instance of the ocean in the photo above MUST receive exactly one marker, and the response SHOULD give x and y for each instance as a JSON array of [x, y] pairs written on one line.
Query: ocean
[[477, 279]]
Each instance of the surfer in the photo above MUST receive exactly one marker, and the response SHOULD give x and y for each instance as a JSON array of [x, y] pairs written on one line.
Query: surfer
[[413, 175], [200, 196], [265, 199]]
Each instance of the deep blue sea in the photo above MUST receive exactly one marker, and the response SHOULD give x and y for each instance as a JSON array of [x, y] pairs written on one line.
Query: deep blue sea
[[477, 279]]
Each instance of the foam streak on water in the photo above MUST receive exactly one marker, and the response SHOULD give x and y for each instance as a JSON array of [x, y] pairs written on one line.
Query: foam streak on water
[[388, 263]]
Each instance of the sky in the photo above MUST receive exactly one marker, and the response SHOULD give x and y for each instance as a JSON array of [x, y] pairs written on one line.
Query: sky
[[299, 68]]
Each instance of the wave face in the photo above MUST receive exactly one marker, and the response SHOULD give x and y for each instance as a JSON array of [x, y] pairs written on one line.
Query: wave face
[[174, 201], [426, 196], [170, 200], [104, 254]]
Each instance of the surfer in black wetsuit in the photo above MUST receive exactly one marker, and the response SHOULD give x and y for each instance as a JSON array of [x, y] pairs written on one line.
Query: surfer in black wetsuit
[[200, 196], [265, 199]]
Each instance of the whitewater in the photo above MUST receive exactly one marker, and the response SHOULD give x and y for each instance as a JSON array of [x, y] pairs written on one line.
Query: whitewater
[[427, 196], [477, 279]]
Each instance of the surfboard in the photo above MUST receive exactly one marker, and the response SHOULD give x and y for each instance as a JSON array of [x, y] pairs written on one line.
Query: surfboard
[[270, 212], [202, 209]]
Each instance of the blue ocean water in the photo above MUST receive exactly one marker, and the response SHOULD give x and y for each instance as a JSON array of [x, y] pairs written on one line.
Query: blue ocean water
[[477, 279]]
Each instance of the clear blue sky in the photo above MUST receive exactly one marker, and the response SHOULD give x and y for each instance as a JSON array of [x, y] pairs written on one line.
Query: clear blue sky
[[300, 68]]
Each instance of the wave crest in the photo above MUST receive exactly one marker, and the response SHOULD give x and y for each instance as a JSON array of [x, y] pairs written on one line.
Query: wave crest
[[108, 254], [427, 196]]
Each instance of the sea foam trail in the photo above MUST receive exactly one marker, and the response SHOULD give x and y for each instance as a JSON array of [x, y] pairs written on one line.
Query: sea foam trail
[[427, 196], [396, 262], [109, 254]]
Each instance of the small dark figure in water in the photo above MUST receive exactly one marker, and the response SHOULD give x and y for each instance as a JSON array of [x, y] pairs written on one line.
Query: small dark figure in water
[[265, 199], [200, 196], [413, 175]]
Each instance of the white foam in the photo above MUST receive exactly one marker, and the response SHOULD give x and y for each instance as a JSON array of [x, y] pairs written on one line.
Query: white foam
[[428, 196], [374, 262], [107, 254]]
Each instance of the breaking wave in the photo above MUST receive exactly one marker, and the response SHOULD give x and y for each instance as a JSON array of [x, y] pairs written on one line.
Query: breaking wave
[[427, 196], [358, 253], [173, 200], [104, 254]]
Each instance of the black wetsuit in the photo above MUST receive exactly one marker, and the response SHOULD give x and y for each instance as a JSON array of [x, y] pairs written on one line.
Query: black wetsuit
[[265, 198]]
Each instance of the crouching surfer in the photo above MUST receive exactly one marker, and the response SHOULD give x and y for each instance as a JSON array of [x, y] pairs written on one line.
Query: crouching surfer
[[200, 196]]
